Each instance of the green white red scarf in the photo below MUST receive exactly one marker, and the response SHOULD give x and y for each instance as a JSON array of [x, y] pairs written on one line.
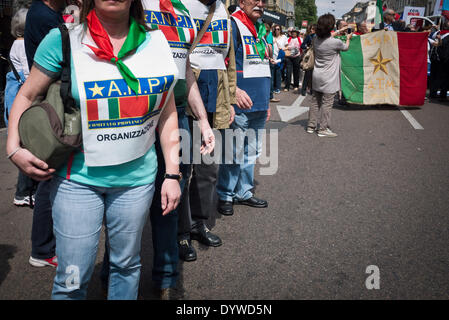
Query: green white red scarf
[[136, 36], [167, 6], [258, 35]]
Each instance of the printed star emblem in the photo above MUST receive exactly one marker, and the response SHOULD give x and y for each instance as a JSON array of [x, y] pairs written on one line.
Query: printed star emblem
[[96, 90], [380, 63]]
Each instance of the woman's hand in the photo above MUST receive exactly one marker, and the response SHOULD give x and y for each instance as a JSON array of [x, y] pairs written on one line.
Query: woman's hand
[[170, 195], [268, 114], [208, 143], [31, 165], [243, 100]]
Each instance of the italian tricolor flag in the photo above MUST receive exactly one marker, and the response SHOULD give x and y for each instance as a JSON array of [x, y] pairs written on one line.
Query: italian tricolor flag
[[385, 67], [124, 107], [215, 37], [176, 34]]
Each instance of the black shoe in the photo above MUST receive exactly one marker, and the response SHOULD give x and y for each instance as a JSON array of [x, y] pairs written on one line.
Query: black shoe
[[253, 202], [186, 250], [225, 208], [203, 235]]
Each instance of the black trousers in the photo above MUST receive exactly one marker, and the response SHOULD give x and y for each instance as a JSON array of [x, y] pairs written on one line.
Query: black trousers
[[43, 242], [438, 79], [198, 200], [292, 67]]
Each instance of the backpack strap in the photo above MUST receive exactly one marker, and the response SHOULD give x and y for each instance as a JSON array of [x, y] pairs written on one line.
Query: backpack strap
[[66, 81]]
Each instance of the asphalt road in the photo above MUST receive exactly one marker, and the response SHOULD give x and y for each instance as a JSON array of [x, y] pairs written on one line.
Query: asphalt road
[[377, 195]]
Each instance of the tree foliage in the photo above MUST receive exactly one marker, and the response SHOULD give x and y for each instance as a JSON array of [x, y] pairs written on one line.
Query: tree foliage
[[305, 10]]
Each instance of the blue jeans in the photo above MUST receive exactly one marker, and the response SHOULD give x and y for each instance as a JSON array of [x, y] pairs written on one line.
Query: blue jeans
[[78, 211], [236, 180], [164, 229]]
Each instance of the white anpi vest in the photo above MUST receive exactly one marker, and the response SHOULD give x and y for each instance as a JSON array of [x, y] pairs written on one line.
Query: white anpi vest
[[117, 125], [180, 34], [253, 66], [212, 49]]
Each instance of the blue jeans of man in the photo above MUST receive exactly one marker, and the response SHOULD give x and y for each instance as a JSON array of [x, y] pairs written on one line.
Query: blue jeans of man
[[236, 179], [164, 228], [78, 212]]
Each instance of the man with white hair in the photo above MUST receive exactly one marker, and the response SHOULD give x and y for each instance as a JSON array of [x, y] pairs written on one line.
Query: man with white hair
[[236, 179], [389, 23]]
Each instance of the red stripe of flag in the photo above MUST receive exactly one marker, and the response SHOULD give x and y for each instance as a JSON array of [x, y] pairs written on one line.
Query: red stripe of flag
[[171, 33], [92, 110], [207, 38], [248, 50], [412, 67], [164, 97], [133, 106], [225, 36]]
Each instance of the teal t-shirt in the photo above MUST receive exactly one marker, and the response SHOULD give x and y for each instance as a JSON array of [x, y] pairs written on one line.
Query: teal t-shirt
[[138, 172]]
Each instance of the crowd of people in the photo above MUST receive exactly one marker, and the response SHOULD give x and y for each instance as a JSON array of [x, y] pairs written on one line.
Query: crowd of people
[[223, 78]]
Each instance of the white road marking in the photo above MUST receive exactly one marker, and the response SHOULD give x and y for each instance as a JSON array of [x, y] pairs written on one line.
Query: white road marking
[[287, 113], [3, 129], [415, 124]]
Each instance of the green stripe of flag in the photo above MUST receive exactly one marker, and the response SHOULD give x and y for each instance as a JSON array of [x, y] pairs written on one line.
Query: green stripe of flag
[[154, 26], [113, 106], [153, 99], [352, 75], [181, 34], [215, 37]]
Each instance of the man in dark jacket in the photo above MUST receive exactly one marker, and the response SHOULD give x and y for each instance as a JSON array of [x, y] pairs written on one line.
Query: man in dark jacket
[[389, 22]]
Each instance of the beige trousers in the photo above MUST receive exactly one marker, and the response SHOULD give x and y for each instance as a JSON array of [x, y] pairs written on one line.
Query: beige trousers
[[321, 108]]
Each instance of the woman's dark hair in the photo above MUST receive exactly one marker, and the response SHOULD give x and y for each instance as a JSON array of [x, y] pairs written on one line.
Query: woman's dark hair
[[309, 29], [325, 25], [136, 11]]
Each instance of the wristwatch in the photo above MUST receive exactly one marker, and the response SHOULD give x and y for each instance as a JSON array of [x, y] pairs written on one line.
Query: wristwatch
[[173, 176]]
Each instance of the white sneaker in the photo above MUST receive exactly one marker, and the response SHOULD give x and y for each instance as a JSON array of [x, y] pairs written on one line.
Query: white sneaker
[[310, 130], [52, 262], [22, 201], [327, 133]]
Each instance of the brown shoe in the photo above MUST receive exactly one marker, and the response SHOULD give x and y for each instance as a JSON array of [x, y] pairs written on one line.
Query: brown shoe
[[274, 100]]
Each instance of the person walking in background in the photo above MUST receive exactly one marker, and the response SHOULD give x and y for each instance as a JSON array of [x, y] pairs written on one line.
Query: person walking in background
[[326, 75], [280, 43], [42, 16], [292, 61], [307, 80]]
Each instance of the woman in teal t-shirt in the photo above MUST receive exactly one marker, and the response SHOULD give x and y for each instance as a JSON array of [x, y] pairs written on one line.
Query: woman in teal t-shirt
[[107, 177]]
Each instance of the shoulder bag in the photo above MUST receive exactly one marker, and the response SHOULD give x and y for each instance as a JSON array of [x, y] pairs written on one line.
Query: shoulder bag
[[51, 128], [308, 60]]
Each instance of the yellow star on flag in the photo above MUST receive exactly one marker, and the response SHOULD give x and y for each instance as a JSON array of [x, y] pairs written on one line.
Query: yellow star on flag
[[96, 90], [380, 63]]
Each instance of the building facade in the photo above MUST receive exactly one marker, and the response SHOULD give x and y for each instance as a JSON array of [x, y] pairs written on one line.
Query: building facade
[[281, 12], [398, 5]]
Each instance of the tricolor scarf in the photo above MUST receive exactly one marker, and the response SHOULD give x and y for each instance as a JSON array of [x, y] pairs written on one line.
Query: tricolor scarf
[[260, 27], [167, 6], [136, 36]]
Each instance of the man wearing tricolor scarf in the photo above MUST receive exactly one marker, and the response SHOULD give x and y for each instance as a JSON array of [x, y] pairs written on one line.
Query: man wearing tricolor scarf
[[216, 82], [236, 180]]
